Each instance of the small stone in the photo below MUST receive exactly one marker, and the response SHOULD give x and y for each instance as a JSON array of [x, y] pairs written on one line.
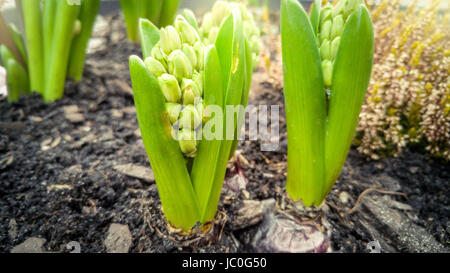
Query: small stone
[[96, 44], [13, 230], [116, 113], [344, 197], [71, 113], [6, 161], [101, 27], [2, 81], [50, 143], [35, 119], [414, 170], [59, 187], [249, 214], [136, 171], [234, 184], [246, 194], [31, 245], [137, 132], [119, 239]]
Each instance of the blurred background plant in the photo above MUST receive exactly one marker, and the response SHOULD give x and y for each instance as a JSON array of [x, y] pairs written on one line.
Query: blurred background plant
[[160, 12], [408, 101]]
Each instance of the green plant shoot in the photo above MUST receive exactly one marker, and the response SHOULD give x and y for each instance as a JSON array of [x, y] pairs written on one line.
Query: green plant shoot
[[327, 61]]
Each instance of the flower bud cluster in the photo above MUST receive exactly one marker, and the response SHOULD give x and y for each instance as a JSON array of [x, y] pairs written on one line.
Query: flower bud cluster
[[332, 22], [177, 61], [221, 10]]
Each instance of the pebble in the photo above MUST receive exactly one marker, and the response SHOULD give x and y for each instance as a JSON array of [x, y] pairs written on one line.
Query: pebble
[[12, 229], [344, 197], [119, 239], [71, 113], [136, 171], [30, 245]]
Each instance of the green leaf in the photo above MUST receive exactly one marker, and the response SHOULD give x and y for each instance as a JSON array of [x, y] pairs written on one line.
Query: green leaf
[[6, 55], [17, 80], [130, 13], [224, 48], [190, 18], [208, 150], [88, 13], [154, 9], [245, 94], [305, 104], [177, 195], [315, 15], [48, 26], [33, 37], [149, 34], [168, 11], [352, 70], [56, 72], [18, 41]]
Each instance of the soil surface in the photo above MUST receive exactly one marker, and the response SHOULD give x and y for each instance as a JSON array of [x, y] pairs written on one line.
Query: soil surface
[[65, 175]]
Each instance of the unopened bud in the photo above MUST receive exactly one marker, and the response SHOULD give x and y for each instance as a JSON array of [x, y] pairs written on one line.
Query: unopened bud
[[154, 66], [351, 6], [198, 80], [326, 13], [189, 118], [325, 30], [207, 23], [219, 12], [187, 142], [325, 50], [191, 91], [327, 69], [190, 53], [159, 55], [179, 65], [170, 88], [187, 33], [338, 27], [169, 39], [173, 109], [213, 34], [200, 51], [200, 108], [335, 47], [339, 8]]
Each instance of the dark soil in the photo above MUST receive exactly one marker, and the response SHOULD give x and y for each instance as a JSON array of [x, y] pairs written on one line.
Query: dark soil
[[58, 181]]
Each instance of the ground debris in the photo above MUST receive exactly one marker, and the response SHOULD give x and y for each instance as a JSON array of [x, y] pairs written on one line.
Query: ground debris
[[72, 114], [251, 212], [136, 171], [396, 226], [283, 234], [119, 239], [30, 245]]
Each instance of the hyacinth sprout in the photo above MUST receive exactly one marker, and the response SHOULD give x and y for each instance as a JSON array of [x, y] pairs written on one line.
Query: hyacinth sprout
[[175, 85], [327, 60]]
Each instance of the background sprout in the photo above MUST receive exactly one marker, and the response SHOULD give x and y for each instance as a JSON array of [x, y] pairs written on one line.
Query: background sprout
[[160, 12], [189, 171], [52, 48], [324, 93]]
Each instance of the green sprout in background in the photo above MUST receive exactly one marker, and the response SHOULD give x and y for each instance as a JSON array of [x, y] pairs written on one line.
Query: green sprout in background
[[160, 12], [53, 46], [175, 88], [327, 60]]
